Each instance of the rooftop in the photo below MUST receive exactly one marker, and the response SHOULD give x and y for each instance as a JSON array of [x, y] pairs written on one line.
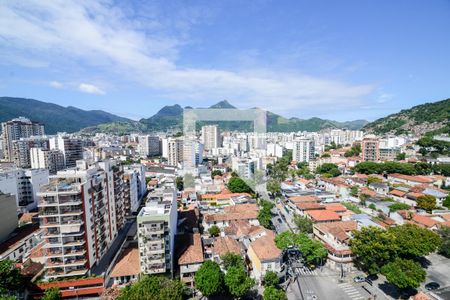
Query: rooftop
[[128, 263]]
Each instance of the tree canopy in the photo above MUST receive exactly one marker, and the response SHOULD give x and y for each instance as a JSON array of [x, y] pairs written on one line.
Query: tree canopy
[[52, 294], [154, 288], [415, 241], [237, 281], [237, 185], [328, 170], [304, 224], [264, 215], [10, 278], [404, 273], [231, 259], [271, 279], [209, 279], [214, 231], [426, 202], [271, 293], [444, 248]]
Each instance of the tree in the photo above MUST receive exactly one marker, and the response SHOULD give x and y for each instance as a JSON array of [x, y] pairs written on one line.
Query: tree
[[444, 249], [426, 202], [52, 294], [151, 287], [179, 183], [238, 282], [354, 191], [373, 179], [399, 206], [313, 251], [10, 278], [404, 273], [303, 224], [237, 185], [372, 206], [373, 247], [271, 293], [328, 169], [209, 278], [271, 279], [273, 186], [215, 173], [214, 231], [414, 241], [446, 202], [264, 215], [400, 156], [231, 259]]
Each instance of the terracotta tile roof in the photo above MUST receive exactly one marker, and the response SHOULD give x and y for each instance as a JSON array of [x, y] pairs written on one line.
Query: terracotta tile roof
[[424, 221], [421, 296], [240, 228], [445, 216], [223, 245], [336, 207], [309, 206], [323, 215], [397, 193], [413, 195], [194, 252], [338, 229], [303, 199], [128, 263], [417, 178], [240, 208], [368, 192], [265, 248]]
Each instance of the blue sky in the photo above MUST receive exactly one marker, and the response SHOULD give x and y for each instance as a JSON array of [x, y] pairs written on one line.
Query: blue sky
[[340, 60]]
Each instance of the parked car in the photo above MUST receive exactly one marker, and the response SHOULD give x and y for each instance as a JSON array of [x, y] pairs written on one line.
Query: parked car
[[359, 279], [432, 286]]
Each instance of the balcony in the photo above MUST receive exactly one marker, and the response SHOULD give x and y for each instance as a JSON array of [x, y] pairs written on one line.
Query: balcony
[[74, 252], [52, 253], [74, 243]]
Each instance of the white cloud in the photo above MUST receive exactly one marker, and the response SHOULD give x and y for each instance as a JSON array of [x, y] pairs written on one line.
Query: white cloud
[[90, 89], [56, 84], [101, 36]]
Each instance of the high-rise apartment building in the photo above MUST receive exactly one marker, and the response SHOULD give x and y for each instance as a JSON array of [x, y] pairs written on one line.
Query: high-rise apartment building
[[21, 150], [72, 149], [211, 137], [53, 160], [24, 185], [303, 150], [78, 212], [8, 215], [14, 130], [192, 153], [370, 148], [149, 145], [157, 226], [174, 151]]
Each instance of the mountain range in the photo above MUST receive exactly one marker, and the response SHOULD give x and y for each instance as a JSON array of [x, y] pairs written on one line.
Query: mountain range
[[419, 119]]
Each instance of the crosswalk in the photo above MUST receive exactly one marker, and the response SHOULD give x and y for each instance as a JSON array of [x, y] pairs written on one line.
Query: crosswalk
[[351, 291], [306, 271]]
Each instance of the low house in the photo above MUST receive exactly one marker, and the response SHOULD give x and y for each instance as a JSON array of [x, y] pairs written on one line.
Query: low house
[[224, 245], [191, 258], [323, 216], [336, 236], [264, 256], [247, 212], [408, 179], [302, 208], [379, 188], [127, 267]]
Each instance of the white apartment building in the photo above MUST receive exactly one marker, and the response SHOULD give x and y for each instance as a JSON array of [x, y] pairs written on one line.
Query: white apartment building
[[78, 215], [211, 137], [72, 148], [192, 153], [24, 185], [14, 130], [174, 151], [53, 160], [157, 226], [303, 150], [149, 145]]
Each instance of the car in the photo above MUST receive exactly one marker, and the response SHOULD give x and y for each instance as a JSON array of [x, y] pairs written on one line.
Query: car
[[432, 286], [279, 220], [359, 279]]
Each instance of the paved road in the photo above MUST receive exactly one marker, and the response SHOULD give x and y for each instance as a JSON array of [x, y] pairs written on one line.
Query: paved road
[[104, 263]]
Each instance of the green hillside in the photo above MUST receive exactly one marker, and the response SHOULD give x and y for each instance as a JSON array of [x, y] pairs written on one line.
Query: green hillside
[[419, 120], [54, 117]]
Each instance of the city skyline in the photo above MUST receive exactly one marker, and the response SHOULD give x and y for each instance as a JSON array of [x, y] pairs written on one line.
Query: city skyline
[[364, 61]]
